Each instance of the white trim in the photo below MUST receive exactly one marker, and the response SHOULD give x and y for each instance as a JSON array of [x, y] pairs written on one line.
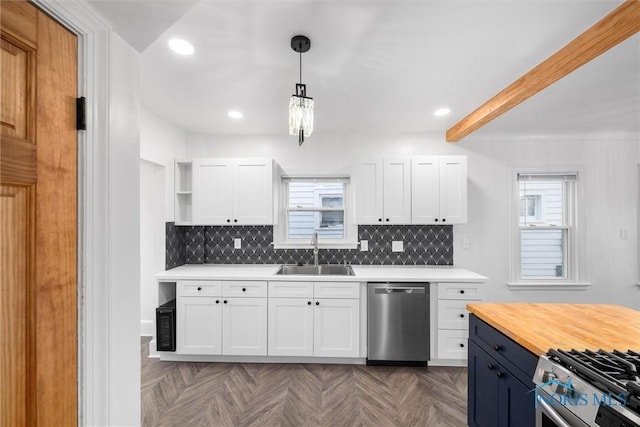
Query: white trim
[[94, 393], [553, 286], [260, 359]]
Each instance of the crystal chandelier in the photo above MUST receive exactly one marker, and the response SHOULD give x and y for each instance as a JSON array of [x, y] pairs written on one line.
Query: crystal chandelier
[[300, 105]]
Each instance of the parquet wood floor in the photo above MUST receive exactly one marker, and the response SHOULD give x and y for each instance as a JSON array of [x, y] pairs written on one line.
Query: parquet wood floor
[[252, 394]]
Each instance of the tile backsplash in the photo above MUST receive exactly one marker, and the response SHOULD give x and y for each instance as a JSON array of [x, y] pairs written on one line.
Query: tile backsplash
[[423, 245]]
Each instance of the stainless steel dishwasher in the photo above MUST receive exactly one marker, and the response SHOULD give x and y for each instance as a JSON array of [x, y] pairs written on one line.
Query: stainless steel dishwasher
[[398, 324]]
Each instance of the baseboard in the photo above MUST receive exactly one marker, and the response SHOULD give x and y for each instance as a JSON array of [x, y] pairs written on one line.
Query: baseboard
[[146, 328]]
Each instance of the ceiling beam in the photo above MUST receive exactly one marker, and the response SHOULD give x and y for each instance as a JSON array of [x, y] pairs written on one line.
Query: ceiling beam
[[614, 28]]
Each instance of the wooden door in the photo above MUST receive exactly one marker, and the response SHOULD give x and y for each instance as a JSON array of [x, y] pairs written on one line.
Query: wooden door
[[38, 224]]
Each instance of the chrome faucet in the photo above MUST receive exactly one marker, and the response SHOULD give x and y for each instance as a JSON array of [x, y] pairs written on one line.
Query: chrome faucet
[[314, 242]]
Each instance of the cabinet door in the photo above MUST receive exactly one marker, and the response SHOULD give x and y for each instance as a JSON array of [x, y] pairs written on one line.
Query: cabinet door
[[425, 190], [397, 191], [253, 192], [198, 325], [483, 388], [290, 327], [453, 189], [244, 326], [212, 192], [336, 328], [369, 203], [517, 402]]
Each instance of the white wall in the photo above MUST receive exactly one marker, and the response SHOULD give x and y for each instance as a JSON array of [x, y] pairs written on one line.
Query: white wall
[[161, 142], [610, 183], [123, 363]]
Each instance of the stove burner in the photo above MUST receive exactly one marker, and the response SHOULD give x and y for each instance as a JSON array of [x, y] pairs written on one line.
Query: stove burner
[[617, 373]]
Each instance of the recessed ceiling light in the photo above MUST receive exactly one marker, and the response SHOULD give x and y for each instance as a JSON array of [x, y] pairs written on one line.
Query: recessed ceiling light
[[441, 112], [234, 114], [180, 46]]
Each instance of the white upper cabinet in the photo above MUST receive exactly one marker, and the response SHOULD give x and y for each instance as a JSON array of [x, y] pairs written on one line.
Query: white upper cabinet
[[439, 190], [232, 192], [383, 191]]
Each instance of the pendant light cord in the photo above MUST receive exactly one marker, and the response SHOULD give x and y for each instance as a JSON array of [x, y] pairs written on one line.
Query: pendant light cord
[[300, 63]]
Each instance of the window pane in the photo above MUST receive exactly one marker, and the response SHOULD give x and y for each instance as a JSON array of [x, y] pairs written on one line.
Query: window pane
[[316, 194], [542, 253], [542, 202], [328, 225]]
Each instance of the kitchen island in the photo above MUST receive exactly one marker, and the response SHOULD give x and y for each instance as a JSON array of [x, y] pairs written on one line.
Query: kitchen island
[[506, 340]]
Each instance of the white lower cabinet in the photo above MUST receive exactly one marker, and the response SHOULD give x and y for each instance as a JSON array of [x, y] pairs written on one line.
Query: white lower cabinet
[[244, 331], [290, 327], [336, 326], [311, 326], [453, 319], [217, 324], [198, 325]]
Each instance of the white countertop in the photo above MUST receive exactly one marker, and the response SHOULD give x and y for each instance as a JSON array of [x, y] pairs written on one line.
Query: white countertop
[[362, 273]]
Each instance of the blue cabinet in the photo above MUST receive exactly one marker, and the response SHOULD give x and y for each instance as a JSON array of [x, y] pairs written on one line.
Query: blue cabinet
[[499, 376]]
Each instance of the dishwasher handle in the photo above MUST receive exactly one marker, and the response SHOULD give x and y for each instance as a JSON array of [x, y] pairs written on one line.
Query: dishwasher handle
[[396, 290]]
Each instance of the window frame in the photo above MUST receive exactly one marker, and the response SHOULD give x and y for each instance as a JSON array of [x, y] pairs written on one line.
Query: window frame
[[281, 227], [575, 267]]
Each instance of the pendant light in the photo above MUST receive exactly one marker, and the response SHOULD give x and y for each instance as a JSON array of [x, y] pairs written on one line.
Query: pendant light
[[300, 105]]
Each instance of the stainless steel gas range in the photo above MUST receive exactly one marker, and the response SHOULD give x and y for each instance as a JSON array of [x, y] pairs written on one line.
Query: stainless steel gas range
[[586, 388]]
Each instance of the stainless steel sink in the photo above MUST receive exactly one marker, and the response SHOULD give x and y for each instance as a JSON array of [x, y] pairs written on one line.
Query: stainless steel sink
[[312, 270]]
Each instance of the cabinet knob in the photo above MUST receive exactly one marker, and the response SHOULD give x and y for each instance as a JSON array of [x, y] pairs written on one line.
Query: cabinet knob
[[499, 374], [199, 288], [461, 345], [436, 220], [461, 315], [491, 366], [317, 302], [309, 303], [217, 301], [444, 219], [235, 220], [228, 220], [462, 291], [497, 347], [244, 289], [387, 219], [225, 301]]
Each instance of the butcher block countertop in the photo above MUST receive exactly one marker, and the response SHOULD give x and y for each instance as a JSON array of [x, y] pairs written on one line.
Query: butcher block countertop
[[539, 327]]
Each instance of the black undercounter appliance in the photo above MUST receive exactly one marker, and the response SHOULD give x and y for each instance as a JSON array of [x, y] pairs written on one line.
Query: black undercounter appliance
[[166, 326], [588, 388]]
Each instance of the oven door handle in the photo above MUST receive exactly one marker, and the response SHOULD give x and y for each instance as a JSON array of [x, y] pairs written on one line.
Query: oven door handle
[[551, 413]]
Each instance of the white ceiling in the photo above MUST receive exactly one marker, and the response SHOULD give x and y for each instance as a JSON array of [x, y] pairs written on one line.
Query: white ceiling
[[378, 66]]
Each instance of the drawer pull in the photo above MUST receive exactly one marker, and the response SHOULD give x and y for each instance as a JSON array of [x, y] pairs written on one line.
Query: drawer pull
[[499, 374], [462, 291], [497, 347], [309, 303], [225, 301], [244, 289], [317, 302], [461, 345], [217, 301], [199, 288], [462, 315], [491, 366]]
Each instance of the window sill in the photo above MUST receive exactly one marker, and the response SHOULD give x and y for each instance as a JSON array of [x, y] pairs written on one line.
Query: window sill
[[557, 286], [323, 246]]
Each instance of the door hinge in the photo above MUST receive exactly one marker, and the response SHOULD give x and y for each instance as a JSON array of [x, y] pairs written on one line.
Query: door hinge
[[81, 113]]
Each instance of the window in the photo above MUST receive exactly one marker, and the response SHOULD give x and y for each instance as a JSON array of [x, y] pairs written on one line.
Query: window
[[315, 205], [546, 237]]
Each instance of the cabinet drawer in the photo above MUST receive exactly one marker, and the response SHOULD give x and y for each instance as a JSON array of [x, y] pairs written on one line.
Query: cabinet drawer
[[291, 289], [466, 291], [192, 288], [336, 290], [452, 314], [452, 344], [242, 288], [503, 348]]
